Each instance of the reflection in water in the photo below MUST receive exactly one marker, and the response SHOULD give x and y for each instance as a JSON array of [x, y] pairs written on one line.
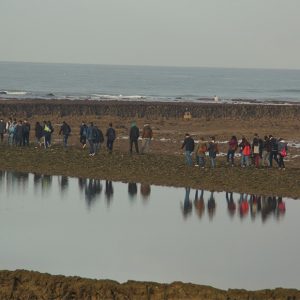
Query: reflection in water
[[187, 206], [92, 190], [231, 206], [109, 190], [132, 190], [133, 240], [199, 203], [145, 191], [211, 206], [245, 204], [63, 183]]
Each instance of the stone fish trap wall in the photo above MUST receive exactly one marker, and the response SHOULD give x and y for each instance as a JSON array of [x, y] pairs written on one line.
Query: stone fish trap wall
[[151, 110]]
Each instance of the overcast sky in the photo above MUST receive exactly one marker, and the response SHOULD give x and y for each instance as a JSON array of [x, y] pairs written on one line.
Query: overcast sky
[[213, 33]]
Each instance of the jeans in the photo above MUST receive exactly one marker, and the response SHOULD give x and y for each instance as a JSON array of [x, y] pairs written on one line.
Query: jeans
[[188, 158], [109, 145], [82, 140], [65, 140], [92, 147], [213, 162], [265, 158], [201, 161], [245, 160], [230, 156], [26, 139]]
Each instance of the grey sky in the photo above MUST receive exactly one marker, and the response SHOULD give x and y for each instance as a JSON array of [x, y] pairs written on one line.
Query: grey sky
[[214, 33]]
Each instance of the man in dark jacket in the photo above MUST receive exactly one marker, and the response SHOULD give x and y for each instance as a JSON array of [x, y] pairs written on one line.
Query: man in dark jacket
[[83, 134], [189, 146], [2, 129], [111, 136], [133, 137], [26, 131], [274, 150], [65, 130]]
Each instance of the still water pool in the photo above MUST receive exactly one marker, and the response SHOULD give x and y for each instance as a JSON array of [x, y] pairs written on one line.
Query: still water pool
[[121, 231]]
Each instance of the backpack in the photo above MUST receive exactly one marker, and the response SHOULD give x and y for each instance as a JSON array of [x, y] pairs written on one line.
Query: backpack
[[111, 135], [247, 150]]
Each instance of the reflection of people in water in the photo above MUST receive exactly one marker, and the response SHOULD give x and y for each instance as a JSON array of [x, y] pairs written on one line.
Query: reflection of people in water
[[82, 183], [269, 206], [230, 204], [132, 189], [211, 205], [46, 182], [187, 206], [199, 203], [243, 205], [255, 205], [280, 207], [109, 190], [145, 191], [92, 190], [64, 182]]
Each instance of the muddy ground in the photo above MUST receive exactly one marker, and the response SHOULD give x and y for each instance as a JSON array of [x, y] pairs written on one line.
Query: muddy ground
[[164, 165], [26, 285]]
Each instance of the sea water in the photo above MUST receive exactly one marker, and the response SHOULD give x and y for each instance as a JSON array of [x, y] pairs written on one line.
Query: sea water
[[98, 82], [121, 231]]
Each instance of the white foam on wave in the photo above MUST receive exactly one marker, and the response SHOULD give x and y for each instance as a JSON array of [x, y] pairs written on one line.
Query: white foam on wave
[[12, 93]]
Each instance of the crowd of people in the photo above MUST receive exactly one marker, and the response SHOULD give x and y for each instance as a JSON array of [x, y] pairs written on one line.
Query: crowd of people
[[18, 133], [259, 152]]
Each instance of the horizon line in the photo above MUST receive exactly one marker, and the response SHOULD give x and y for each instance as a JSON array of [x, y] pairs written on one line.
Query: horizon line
[[154, 66]]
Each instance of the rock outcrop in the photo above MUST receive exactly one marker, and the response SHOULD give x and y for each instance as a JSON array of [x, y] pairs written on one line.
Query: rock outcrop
[[27, 285], [153, 110]]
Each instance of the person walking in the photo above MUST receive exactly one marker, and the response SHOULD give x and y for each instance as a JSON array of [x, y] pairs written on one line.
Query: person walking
[[65, 130], [146, 136], [200, 152], [99, 139], [256, 149], [110, 138], [274, 150], [213, 150], [245, 150], [266, 149], [189, 145], [83, 134], [46, 134], [26, 132], [232, 146], [91, 137], [38, 134], [2, 129], [282, 153], [134, 134]]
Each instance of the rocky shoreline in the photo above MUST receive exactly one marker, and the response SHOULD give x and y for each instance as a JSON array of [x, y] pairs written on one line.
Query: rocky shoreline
[[24, 285], [142, 109]]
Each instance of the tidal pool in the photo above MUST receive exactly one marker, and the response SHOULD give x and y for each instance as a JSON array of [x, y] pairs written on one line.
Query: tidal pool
[[121, 231]]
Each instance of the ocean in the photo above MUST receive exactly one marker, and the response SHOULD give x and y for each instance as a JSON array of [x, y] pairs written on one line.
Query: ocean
[[146, 83]]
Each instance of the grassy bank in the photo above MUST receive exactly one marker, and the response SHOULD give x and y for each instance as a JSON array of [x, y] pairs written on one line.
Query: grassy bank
[[158, 169]]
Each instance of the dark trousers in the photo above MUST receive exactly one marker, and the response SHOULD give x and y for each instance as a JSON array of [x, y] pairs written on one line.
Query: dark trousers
[[273, 154], [83, 140], [26, 139], [281, 161], [1, 137], [109, 144], [136, 144], [92, 147], [230, 156]]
